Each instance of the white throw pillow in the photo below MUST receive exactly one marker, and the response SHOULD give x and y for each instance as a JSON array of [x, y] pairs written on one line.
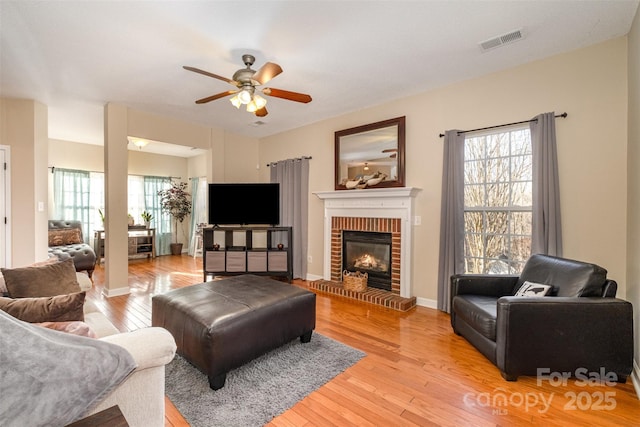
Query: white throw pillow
[[532, 289]]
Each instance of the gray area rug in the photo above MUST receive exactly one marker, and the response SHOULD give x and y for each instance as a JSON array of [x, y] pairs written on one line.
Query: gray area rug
[[260, 390]]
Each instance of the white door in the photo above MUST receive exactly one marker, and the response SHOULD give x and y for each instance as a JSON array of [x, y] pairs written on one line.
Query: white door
[[5, 197]]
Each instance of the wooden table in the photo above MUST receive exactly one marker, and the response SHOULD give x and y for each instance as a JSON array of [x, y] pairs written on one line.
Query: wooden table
[[110, 417]]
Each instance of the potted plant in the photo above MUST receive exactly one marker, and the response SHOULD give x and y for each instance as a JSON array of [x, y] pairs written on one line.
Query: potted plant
[[147, 217], [176, 201]]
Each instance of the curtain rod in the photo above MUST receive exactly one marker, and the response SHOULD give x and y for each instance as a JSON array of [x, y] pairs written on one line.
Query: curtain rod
[[563, 115], [297, 158]]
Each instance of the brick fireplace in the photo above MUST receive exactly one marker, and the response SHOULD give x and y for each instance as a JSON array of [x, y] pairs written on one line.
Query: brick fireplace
[[379, 225], [388, 210]]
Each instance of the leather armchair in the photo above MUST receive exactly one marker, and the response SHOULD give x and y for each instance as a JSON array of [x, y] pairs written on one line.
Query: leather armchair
[[580, 326]]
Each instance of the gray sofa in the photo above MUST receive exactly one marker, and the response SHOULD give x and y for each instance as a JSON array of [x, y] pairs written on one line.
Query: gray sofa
[[581, 325], [66, 241]]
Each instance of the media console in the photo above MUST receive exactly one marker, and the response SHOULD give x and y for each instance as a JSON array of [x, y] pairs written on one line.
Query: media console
[[230, 251]]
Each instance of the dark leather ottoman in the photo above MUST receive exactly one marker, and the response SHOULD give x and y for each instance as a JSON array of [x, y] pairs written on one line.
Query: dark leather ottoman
[[223, 324]]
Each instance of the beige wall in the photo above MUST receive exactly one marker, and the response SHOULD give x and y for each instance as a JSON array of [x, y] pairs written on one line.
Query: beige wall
[[23, 127], [241, 160], [633, 179], [167, 129], [589, 84]]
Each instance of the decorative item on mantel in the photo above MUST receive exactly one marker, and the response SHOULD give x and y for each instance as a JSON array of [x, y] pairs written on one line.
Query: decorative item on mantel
[[354, 281], [365, 181]]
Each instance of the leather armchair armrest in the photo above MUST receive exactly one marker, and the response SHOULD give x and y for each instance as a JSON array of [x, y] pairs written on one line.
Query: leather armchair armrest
[[562, 334], [493, 285]]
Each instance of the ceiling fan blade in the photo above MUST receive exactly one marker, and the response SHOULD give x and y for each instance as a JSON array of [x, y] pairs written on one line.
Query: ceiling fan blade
[[261, 112], [389, 150], [216, 96], [266, 72], [206, 73], [285, 94]]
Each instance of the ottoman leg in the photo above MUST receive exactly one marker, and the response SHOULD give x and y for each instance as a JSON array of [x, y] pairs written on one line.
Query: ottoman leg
[[306, 337], [217, 382]]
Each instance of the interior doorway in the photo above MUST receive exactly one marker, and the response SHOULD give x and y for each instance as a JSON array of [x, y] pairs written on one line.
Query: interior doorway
[[5, 208]]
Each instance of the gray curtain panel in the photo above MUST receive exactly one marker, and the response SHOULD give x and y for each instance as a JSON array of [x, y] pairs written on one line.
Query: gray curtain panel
[[293, 177], [546, 230], [451, 216]]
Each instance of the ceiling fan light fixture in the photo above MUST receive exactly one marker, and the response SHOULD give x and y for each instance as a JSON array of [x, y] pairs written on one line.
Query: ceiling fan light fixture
[[252, 107], [236, 101], [260, 101], [245, 96], [366, 166]]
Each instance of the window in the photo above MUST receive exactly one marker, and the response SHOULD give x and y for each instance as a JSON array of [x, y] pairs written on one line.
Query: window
[[80, 195], [497, 201]]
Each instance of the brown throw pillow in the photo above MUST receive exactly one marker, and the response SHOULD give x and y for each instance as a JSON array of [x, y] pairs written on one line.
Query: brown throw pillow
[[65, 236], [59, 308], [43, 281], [51, 260]]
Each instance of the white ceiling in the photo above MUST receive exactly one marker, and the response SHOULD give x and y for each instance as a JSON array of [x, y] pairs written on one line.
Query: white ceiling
[[75, 56]]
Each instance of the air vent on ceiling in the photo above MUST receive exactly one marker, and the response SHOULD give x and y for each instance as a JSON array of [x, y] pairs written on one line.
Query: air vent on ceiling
[[498, 41]]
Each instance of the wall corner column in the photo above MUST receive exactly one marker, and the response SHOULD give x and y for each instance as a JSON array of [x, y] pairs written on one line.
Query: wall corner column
[[116, 225]]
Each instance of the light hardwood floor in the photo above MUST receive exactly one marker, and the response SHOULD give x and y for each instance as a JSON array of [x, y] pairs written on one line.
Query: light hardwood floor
[[417, 372]]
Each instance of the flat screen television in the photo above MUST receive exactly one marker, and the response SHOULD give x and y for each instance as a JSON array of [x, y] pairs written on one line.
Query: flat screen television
[[244, 204]]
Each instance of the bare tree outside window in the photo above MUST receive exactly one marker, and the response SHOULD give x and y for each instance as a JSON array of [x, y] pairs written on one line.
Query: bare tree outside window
[[497, 201]]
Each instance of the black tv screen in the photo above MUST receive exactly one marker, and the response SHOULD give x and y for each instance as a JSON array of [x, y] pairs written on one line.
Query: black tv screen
[[244, 204]]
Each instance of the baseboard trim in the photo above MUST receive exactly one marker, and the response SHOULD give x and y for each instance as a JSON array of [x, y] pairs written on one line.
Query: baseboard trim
[[115, 292], [426, 302], [635, 378], [312, 277]]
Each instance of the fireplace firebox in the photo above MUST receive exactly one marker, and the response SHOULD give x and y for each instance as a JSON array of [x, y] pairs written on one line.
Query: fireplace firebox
[[368, 252]]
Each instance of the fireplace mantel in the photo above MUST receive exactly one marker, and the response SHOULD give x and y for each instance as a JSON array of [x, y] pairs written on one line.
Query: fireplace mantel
[[394, 202]]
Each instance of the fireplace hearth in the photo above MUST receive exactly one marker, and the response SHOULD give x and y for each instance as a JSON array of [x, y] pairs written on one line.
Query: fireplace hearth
[[368, 252], [386, 210]]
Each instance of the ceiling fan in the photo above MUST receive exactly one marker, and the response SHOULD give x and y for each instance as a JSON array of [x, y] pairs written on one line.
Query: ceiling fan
[[246, 80]]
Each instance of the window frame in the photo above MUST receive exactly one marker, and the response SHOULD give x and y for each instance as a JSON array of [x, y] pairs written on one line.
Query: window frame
[[505, 263]]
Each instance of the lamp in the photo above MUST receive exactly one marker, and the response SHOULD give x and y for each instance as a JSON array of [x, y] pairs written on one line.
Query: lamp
[[245, 95], [366, 167], [236, 101], [138, 142], [256, 103]]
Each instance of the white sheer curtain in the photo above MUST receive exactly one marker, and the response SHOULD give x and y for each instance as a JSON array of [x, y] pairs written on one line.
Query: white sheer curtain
[[135, 197], [293, 177], [161, 222], [71, 197]]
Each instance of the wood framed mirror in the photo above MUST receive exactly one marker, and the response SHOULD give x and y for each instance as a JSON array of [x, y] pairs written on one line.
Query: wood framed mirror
[[364, 154]]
